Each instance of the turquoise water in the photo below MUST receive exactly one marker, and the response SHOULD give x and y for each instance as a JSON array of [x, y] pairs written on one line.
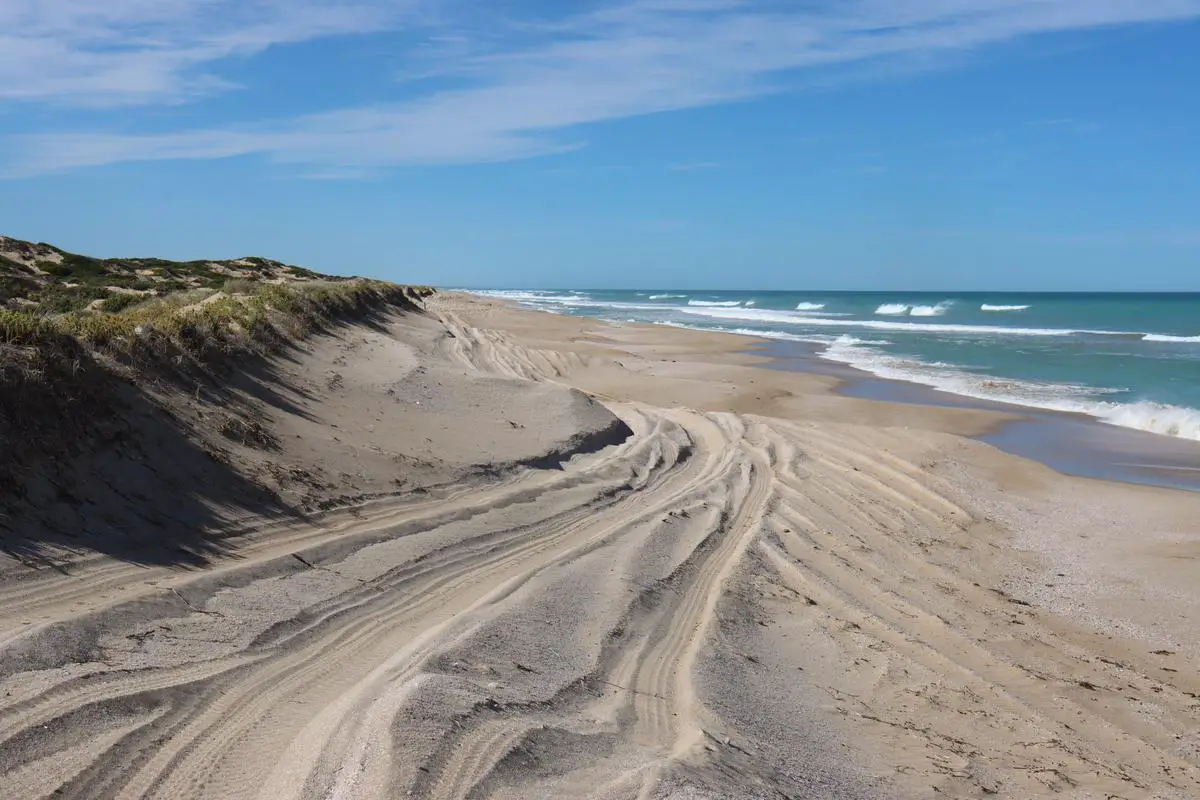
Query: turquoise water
[[1127, 359]]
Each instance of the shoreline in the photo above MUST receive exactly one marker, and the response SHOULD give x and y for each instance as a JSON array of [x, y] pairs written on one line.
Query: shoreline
[[1069, 442], [1153, 400]]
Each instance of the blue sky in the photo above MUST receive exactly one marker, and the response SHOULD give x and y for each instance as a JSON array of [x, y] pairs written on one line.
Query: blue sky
[[861, 144]]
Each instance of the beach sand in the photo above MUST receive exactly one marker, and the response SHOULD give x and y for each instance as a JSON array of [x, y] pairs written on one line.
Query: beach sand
[[529, 555]]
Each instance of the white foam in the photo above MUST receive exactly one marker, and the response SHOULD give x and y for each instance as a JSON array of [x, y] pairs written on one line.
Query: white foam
[[732, 310], [1155, 417], [1158, 418], [986, 307], [810, 306], [524, 295], [668, 296], [549, 301], [748, 303], [606, 304], [931, 311], [851, 341], [902, 309], [789, 337], [1162, 337], [795, 318]]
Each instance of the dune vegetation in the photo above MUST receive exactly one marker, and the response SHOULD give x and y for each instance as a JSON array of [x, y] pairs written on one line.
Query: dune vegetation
[[125, 305]]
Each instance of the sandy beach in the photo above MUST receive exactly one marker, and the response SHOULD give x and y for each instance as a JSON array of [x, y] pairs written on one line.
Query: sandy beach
[[507, 554]]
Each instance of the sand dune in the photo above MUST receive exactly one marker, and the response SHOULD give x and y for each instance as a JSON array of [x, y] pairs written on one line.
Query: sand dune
[[689, 602]]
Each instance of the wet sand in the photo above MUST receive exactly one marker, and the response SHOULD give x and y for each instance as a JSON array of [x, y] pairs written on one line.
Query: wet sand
[[1073, 444]]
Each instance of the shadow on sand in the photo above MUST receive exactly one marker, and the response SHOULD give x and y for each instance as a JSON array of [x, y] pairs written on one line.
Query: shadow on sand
[[92, 460]]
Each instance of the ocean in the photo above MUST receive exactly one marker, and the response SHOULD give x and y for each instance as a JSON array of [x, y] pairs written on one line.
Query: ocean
[[1131, 360]]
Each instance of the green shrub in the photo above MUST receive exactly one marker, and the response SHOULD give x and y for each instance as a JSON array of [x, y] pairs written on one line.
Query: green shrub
[[55, 269], [118, 302], [83, 265], [19, 328], [66, 299], [11, 287]]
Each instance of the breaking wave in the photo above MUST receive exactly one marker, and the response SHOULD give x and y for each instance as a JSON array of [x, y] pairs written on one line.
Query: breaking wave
[[1160, 418], [931, 311], [810, 319], [903, 309], [1162, 337]]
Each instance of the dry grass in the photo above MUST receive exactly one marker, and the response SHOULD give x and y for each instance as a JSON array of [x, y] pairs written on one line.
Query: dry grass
[[197, 322], [247, 432]]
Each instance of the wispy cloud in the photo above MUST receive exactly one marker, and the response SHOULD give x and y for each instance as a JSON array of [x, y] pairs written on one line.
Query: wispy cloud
[[524, 89], [133, 52]]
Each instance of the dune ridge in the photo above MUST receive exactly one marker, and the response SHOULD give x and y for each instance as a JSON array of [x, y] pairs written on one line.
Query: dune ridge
[[590, 595]]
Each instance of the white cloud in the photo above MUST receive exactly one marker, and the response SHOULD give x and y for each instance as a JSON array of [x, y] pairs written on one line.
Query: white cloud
[[129, 52], [524, 86]]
